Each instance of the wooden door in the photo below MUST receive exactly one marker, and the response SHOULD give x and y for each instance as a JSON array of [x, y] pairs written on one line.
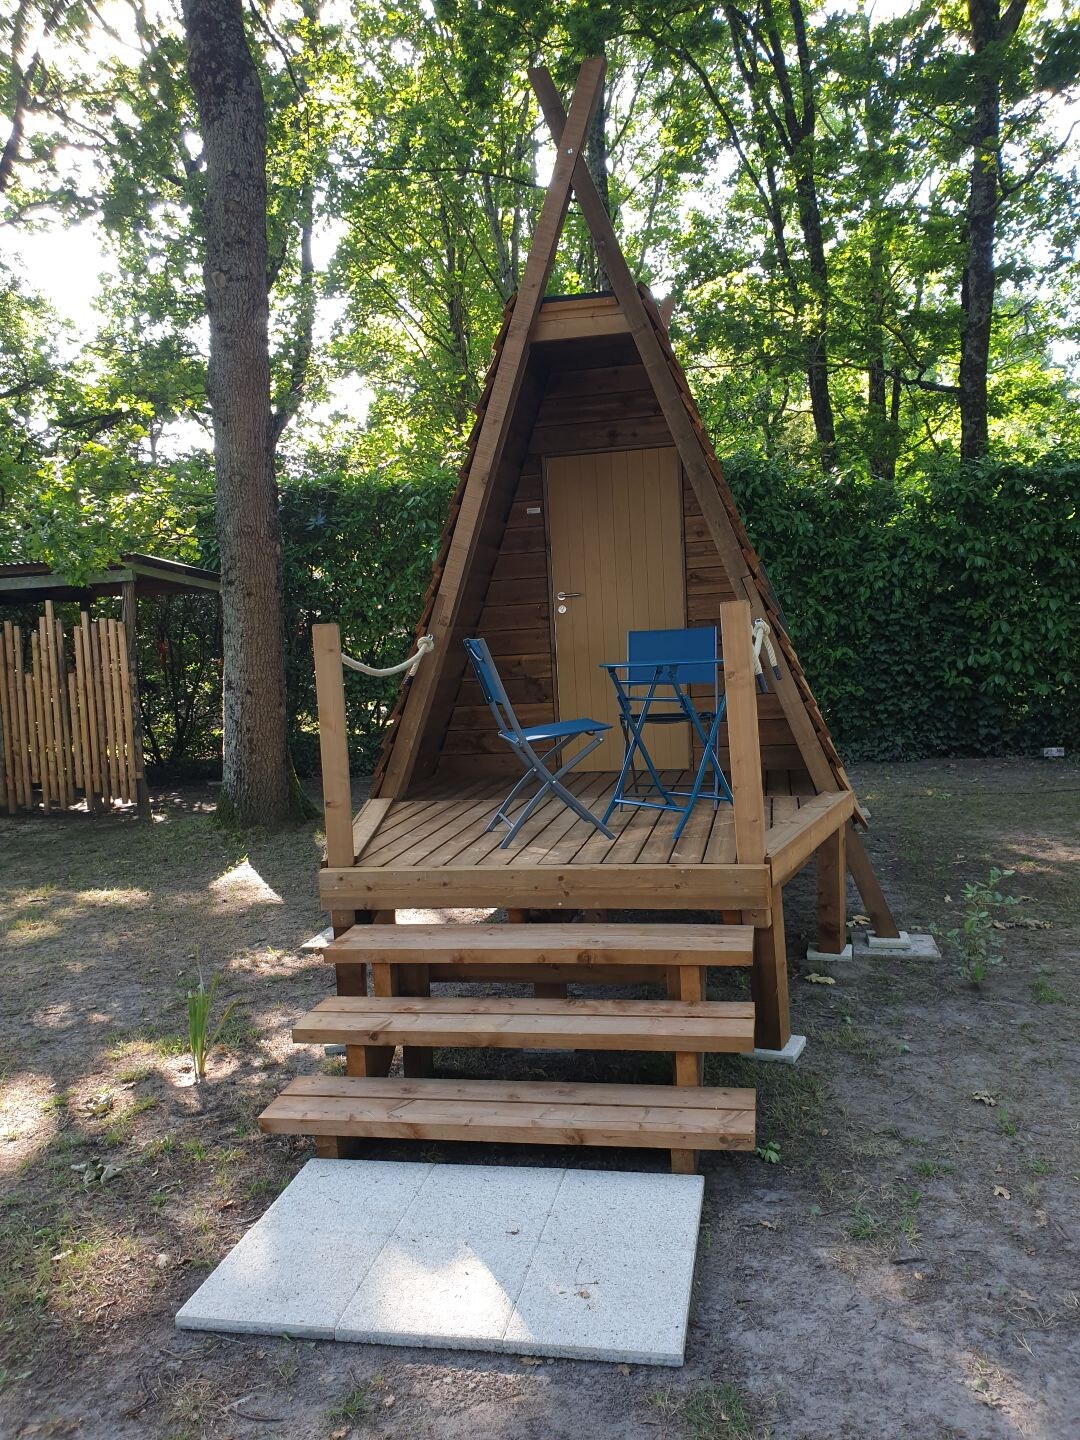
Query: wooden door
[[615, 534]]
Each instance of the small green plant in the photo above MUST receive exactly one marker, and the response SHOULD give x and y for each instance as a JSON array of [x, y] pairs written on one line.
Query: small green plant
[[199, 1004], [1006, 1124], [931, 1169], [769, 1152], [972, 937], [1043, 993], [355, 1405], [865, 1225]]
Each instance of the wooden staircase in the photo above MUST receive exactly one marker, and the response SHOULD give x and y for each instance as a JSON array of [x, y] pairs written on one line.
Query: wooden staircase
[[366, 1102]]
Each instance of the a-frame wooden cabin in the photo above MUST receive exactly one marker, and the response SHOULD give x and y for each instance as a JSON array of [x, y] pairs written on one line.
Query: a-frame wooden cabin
[[590, 503]]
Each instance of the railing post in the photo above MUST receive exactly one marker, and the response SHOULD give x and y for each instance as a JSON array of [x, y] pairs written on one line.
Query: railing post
[[744, 746], [333, 745], [769, 981]]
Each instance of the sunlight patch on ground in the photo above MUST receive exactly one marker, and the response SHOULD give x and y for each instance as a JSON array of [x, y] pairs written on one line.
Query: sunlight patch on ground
[[243, 886], [118, 896], [29, 1117], [26, 930]]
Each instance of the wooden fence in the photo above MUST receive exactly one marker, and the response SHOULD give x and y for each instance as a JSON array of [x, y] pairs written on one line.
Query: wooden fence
[[67, 723]]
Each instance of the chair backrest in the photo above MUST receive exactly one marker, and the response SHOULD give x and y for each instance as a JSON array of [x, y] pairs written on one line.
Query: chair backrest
[[691, 652], [491, 686]]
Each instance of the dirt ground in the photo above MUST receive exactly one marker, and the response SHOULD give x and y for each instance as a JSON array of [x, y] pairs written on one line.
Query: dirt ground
[[907, 1268]]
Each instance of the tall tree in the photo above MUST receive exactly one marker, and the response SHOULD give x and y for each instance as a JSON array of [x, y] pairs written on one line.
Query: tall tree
[[224, 78]]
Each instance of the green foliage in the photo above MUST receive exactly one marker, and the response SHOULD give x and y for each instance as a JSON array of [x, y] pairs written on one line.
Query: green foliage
[[934, 617], [358, 551], [971, 938], [201, 1040]]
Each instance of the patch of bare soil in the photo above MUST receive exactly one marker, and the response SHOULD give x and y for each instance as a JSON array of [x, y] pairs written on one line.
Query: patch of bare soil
[[907, 1268]]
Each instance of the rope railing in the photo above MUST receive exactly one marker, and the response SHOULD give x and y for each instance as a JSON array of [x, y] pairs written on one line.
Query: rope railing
[[424, 646]]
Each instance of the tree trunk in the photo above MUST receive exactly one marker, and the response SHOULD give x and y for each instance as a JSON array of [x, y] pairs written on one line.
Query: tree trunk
[[988, 28], [256, 776]]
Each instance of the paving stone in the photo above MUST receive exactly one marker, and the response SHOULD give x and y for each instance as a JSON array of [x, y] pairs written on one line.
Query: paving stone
[[435, 1290], [281, 1280], [608, 1301], [648, 1210], [481, 1200], [332, 1196], [595, 1264]]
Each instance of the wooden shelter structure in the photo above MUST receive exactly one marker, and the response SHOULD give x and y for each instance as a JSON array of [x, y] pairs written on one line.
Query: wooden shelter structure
[[70, 723], [590, 503]]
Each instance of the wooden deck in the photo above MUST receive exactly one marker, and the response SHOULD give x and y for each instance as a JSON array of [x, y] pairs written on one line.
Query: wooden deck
[[436, 849]]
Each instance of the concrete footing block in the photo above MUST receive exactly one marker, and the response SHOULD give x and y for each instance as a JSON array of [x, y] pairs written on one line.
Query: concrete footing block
[[825, 957], [787, 1056]]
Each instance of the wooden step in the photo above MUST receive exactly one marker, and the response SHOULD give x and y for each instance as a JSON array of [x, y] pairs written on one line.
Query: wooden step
[[570, 944], [527, 1112], [510, 1023]]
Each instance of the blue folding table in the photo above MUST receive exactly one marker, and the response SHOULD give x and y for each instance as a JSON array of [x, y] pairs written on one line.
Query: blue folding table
[[653, 687]]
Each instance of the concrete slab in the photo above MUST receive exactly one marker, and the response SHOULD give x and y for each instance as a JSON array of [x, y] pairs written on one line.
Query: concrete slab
[[596, 1264], [787, 1056], [913, 946]]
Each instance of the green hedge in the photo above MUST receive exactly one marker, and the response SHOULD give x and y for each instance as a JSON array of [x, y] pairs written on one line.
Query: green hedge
[[935, 617], [357, 551]]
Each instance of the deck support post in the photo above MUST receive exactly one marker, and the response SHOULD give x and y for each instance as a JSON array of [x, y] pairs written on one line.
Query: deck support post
[[832, 894], [769, 979], [686, 982]]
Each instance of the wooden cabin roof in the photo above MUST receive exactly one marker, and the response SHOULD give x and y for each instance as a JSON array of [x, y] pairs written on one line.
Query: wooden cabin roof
[[568, 332]]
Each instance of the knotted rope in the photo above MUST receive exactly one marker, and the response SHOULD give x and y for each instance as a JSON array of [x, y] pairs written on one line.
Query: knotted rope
[[424, 646]]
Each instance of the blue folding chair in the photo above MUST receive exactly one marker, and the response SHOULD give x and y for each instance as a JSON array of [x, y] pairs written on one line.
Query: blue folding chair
[[521, 740], [653, 688]]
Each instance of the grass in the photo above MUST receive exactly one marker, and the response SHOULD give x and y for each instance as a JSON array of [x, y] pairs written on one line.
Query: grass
[[1005, 1123], [709, 1412], [119, 1132], [865, 1225], [356, 1404], [933, 1169], [1043, 993]]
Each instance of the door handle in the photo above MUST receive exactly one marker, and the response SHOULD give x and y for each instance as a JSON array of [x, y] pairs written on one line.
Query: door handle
[[569, 595]]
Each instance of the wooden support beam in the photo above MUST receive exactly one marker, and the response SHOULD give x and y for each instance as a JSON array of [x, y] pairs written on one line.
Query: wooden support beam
[[832, 893], [491, 442], [686, 982], [744, 746], [866, 882], [791, 844], [769, 981], [614, 887]]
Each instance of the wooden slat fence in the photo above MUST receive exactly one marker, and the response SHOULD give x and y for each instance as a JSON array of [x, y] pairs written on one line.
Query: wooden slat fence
[[66, 716]]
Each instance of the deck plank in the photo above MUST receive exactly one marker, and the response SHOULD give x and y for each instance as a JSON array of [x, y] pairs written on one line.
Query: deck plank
[[441, 817]]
